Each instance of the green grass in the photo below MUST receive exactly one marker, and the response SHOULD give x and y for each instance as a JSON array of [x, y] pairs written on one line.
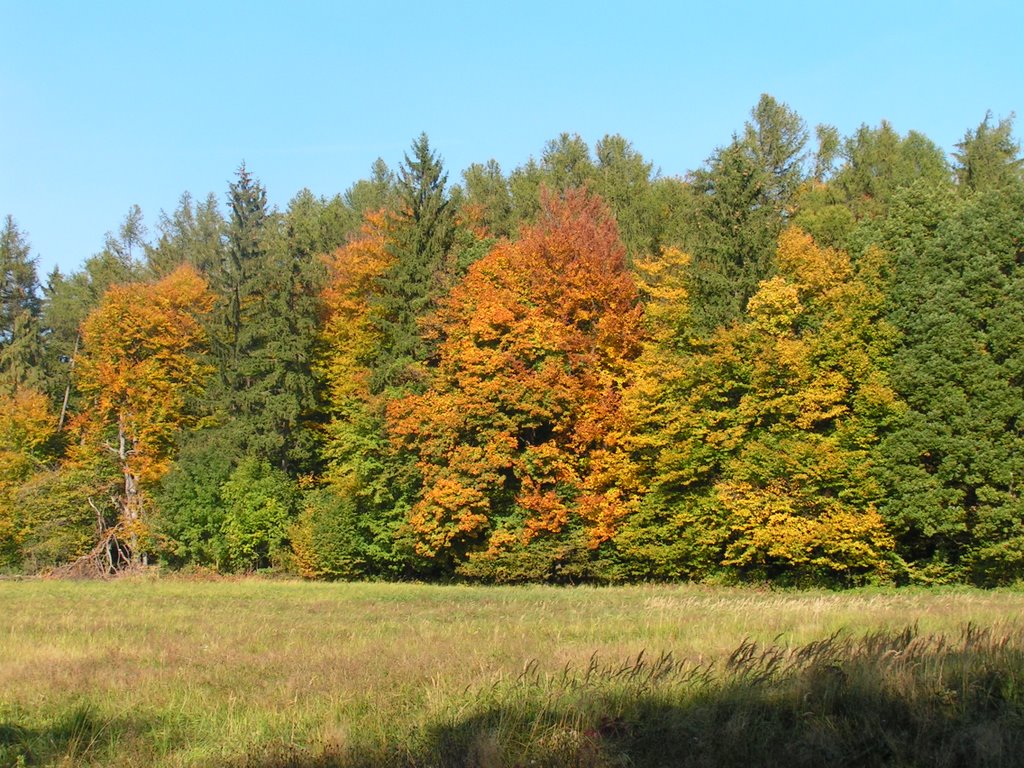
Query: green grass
[[164, 672]]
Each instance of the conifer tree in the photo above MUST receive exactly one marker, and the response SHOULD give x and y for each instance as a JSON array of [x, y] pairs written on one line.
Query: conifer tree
[[988, 156], [263, 333], [193, 234], [420, 243], [952, 469], [742, 200], [21, 351]]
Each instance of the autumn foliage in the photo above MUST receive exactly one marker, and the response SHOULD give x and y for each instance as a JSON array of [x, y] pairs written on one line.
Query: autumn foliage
[[138, 369], [758, 440], [514, 436], [793, 365]]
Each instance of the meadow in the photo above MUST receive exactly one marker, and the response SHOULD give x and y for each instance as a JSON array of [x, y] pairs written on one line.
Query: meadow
[[269, 674]]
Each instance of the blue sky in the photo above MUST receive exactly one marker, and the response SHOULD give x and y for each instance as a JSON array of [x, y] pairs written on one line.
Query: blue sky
[[104, 105]]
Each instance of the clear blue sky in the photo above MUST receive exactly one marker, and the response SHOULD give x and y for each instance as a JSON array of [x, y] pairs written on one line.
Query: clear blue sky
[[104, 105]]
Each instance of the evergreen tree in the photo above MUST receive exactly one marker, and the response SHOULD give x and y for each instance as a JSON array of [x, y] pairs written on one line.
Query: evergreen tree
[[624, 180], [420, 242], [130, 238], [956, 295], [18, 282], [488, 199], [193, 234], [263, 332], [878, 162], [234, 279], [776, 137], [366, 482], [988, 156], [315, 225], [21, 350], [365, 196], [742, 199]]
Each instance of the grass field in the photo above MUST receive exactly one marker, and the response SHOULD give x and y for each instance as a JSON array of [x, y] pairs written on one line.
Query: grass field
[[267, 674]]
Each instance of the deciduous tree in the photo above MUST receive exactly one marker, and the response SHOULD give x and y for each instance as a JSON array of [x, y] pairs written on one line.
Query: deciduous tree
[[137, 370], [513, 436], [757, 442]]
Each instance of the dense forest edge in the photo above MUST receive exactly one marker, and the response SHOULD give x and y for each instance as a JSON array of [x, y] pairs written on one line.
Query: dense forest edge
[[801, 363]]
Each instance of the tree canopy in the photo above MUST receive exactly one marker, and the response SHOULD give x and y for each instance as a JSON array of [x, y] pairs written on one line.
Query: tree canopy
[[798, 363]]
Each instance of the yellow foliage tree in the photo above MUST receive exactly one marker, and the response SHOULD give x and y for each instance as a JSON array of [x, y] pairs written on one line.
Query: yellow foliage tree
[[27, 427], [756, 442]]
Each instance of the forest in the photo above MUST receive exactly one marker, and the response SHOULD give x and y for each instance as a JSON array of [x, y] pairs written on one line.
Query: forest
[[801, 363]]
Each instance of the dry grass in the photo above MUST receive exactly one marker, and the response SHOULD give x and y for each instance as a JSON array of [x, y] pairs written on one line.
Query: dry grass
[[163, 672]]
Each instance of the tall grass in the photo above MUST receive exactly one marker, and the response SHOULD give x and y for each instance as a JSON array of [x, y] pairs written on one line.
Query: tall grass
[[271, 674]]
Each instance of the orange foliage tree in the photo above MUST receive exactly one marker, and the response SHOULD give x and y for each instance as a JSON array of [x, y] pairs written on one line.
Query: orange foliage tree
[[515, 437], [137, 370]]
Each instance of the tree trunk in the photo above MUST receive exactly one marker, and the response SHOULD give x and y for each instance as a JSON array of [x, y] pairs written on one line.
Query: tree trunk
[[131, 504]]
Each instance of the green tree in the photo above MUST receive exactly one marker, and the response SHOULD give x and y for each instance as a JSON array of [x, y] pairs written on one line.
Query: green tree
[[776, 138], [193, 234], [565, 164], [263, 331], [189, 515], [878, 162], [952, 470], [988, 156], [488, 199], [315, 225], [364, 479], [260, 502], [367, 196], [420, 242], [21, 351], [624, 180], [742, 200]]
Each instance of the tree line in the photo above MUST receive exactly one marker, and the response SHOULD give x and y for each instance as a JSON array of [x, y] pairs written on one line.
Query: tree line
[[802, 362]]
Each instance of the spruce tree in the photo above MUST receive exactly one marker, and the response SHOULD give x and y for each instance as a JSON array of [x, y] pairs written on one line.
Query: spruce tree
[[742, 200], [263, 333], [420, 244], [20, 339]]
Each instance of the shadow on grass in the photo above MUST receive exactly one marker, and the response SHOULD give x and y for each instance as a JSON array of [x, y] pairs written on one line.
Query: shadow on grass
[[893, 699], [80, 736]]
